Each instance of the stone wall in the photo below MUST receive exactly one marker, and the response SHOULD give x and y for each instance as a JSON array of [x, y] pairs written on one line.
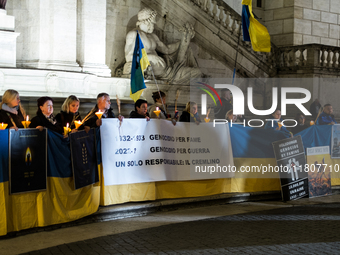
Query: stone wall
[[297, 22], [121, 17]]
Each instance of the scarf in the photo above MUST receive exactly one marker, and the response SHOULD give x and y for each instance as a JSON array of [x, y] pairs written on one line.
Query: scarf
[[13, 110], [51, 119]]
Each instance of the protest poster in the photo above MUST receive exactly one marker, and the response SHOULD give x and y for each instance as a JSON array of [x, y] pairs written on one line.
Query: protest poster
[[290, 156], [335, 141], [27, 160], [319, 171], [84, 158], [137, 151]]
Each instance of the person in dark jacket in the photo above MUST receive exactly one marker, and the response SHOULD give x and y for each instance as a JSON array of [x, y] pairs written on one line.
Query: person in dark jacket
[[190, 113], [326, 117], [11, 111], [45, 118], [160, 101], [69, 113], [315, 108], [300, 118], [141, 110], [221, 110], [104, 105]]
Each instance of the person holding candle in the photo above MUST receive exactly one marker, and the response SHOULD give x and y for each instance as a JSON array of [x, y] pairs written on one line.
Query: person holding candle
[[160, 99], [69, 113], [276, 123], [141, 110], [190, 113], [45, 118], [11, 111], [101, 110]]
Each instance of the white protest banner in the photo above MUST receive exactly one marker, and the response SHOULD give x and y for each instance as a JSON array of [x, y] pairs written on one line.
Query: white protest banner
[[147, 151]]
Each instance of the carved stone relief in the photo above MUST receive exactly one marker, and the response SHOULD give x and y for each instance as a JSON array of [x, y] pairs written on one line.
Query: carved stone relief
[[52, 82], [90, 85]]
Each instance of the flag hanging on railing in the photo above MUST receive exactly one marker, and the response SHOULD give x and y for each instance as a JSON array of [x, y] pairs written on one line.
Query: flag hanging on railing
[[139, 63], [253, 30]]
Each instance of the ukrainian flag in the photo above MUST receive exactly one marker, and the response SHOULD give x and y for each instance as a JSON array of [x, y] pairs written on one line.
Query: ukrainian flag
[[253, 30], [139, 63]]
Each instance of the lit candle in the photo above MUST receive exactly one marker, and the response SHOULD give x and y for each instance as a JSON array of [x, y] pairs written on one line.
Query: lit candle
[[26, 122], [157, 112], [99, 114], [78, 123], [311, 123], [206, 119], [3, 126], [66, 129]]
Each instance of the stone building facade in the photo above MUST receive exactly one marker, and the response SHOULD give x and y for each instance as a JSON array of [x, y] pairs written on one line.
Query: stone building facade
[[64, 47]]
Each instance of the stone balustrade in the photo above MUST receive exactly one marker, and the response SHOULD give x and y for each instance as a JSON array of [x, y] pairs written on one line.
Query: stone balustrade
[[221, 13], [318, 56], [321, 57]]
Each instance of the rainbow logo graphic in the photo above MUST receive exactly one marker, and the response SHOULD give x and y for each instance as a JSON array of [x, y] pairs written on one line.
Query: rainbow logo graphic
[[204, 97]]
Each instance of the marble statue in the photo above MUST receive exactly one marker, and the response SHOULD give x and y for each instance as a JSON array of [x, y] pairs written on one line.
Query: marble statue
[[176, 65], [3, 4]]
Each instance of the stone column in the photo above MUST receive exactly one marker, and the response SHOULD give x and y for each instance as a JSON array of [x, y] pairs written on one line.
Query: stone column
[[8, 37], [49, 34], [91, 36]]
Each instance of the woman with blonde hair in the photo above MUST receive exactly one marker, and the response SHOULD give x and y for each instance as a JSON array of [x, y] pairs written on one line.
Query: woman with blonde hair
[[190, 113], [11, 111], [69, 112]]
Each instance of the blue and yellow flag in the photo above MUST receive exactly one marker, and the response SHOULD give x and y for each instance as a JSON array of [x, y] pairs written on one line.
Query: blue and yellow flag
[[139, 63], [253, 30]]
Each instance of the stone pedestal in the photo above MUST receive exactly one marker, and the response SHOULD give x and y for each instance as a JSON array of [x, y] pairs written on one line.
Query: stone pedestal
[[7, 22], [7, 40]]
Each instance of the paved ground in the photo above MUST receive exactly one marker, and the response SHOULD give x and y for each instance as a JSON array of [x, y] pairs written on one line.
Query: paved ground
[[296, 228], [306, 226]]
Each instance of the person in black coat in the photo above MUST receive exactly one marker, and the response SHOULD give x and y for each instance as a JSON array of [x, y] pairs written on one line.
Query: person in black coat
[[190, 113], [315, 108], [103, 104], [69, 113], [11, 111], [45, 118], [300, 118], [221, 110], [141, 110]]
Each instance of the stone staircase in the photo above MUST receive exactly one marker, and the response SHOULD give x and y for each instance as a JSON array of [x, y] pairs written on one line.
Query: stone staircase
[[217, 28]]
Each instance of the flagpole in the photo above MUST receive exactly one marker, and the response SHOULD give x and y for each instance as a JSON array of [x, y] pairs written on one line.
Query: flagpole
[[238, 45], [153, 75]]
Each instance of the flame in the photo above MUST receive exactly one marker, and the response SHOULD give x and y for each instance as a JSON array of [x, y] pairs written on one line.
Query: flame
[[28, 157]]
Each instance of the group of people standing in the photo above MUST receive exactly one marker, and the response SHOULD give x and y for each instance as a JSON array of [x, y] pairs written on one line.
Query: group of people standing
[[13, 113]]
